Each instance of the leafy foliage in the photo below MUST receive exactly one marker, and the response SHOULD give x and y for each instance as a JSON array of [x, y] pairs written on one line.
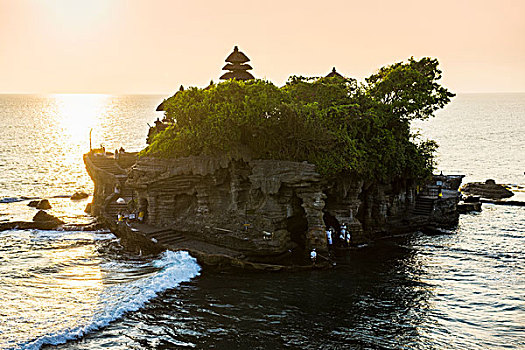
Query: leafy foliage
[[409, 90], [334, 123]]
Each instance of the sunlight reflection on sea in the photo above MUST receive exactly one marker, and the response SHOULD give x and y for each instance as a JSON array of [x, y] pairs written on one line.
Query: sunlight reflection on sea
[[44, 137]]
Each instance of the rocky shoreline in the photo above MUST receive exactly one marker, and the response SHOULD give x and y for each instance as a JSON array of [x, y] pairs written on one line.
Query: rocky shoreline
[[43, 220]]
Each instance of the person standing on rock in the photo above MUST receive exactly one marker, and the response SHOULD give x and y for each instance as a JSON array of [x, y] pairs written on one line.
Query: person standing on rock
[[348, 235], [341, 238], [313, 256], [329, 237], [345, 235]]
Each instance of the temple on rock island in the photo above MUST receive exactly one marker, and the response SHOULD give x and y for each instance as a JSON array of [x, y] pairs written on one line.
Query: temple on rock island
[[256, 213]]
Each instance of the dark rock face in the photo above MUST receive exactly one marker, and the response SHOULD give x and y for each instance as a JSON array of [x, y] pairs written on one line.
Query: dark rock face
[[40, 204], [489, 189], [79, 195], [467, 207], [28, 225], [42, 216], [239, 204], [445, 213], [33, 204], [137, 242]]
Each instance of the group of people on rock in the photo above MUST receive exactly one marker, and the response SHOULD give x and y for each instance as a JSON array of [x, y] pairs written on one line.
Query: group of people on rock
[[343, 239], [121, 216], [132, 213], [118, 152]]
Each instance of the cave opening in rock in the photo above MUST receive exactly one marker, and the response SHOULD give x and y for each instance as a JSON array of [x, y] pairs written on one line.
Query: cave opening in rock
[[331, 221], [297, 225]]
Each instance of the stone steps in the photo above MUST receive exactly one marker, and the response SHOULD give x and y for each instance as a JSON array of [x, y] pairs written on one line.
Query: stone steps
[[423, 206], [107, 164], [166, 237], [172, 240]]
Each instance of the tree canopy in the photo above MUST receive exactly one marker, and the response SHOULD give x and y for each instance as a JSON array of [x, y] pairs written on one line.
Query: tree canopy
[[335, 123]]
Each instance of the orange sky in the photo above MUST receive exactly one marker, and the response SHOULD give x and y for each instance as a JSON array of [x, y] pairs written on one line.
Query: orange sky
[[153, 46]]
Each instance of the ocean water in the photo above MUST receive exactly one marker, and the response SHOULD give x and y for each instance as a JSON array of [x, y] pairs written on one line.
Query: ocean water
[[481, 136], [464, 289], [43, 139]]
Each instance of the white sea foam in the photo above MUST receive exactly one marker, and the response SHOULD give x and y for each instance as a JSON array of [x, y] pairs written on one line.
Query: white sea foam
[[116, 300]]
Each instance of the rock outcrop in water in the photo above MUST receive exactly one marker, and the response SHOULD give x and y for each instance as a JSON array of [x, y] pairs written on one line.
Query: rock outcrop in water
[[78, 196], [42, 216], [42, 204], [41, 221], [488, 189], [263, 208]]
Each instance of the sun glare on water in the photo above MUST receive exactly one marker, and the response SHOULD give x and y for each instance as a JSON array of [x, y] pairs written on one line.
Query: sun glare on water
[[78, 113], [73, 117]]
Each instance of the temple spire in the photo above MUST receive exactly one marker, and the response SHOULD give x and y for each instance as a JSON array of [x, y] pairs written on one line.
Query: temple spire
[[334, 73], [236, 66]]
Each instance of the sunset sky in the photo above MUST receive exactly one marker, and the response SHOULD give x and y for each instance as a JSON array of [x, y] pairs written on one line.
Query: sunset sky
[[153, 46]]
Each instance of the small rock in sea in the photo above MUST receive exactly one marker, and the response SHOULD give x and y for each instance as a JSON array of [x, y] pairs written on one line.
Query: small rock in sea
[[79, 195], [88, 208], [33, 204], [43, 204], [489, 189], [43, 216]]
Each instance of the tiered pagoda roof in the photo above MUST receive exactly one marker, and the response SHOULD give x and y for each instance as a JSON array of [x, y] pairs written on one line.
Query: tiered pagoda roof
[[237, 67]]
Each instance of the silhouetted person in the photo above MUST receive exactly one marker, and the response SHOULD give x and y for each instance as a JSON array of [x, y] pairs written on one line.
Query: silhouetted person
[[329, 236], [313, 256]]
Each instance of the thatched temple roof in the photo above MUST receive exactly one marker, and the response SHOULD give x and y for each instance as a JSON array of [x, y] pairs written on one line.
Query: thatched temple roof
[[334, 73], [237, 56], [240, 75], [236, 67]]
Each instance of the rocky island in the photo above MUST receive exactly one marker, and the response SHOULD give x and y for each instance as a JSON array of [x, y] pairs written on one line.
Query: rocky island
[[248, 174]]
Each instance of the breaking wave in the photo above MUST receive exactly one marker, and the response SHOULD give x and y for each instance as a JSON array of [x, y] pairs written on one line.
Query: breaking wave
[[85, 290]]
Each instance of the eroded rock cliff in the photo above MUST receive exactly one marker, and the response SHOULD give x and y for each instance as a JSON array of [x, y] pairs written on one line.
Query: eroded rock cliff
[[264, 207]]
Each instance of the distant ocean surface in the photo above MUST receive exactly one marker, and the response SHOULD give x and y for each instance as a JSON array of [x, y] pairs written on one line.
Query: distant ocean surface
[[78, 290]]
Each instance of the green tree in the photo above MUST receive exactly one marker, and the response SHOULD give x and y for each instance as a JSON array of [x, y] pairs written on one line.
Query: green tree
[[408, 90]]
